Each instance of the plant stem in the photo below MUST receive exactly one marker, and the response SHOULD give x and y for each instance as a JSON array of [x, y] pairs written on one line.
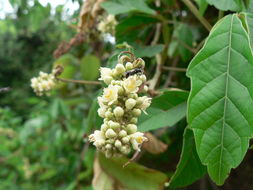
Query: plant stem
[[174, 69], [79, 81], [221, 14], [195, 11]]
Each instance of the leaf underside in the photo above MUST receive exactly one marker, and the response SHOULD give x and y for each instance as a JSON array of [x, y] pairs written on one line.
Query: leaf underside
[[220, 104]]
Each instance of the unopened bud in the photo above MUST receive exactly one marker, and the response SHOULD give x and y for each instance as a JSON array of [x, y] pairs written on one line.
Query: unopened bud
[[129, 66], [118, 144], [125, 140], [130, 103], [120, 68], [136, 112], [110, 133], [118, 111], [134, 120], [131, 128], [122, 133]]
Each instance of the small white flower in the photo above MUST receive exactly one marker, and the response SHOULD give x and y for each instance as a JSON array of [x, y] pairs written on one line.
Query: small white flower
[[137, 139], [145, 102], [96, 136], [106, 75], [110, 94], [131, 84]]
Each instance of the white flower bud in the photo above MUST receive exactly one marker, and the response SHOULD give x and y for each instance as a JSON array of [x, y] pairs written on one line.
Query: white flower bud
[[145, 88], [134, 120], [122, 133], [125, 140], [120, 68], [118, 111], [129, 66], [136, 112], [131, 128], [108, 146], [101, 112], [118, 144], [104, 127], [108, 114], [110, 133], [143, 78], [114, 125], [120, 90], [130, 103], [125, 149]]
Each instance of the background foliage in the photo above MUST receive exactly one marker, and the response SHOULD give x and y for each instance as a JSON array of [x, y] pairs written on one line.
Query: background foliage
[[44, 139]]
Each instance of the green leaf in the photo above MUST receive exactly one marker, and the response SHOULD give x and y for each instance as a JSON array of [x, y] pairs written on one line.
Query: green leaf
[[132, 27], [202, 4], [148, 51], [121, 6], [189, 162], [226, 5], [184, 35], [133, 176], [220, 105], [165, 110], [90, 65]]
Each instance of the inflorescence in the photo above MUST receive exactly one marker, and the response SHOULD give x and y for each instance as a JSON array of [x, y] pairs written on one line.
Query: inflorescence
[[44, 83], [120, 106]]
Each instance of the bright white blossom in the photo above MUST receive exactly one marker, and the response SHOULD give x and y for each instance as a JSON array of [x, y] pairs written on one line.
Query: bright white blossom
[[110, 94], [106, 75], [131, 84], [137, 139], [120, 106]]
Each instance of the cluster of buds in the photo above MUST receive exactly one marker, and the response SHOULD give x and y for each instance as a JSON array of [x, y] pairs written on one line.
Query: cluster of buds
[[44, 83], [120, 106], [107, 25]]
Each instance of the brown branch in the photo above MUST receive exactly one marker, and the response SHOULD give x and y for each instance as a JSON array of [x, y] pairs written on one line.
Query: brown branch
[[197, 14], [79, 81]]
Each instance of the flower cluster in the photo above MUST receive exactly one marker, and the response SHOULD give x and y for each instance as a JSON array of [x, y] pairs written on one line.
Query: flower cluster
[[107, 25], [44, 83], [120, 107]]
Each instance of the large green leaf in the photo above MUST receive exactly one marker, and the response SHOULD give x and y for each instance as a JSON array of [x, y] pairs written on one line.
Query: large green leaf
[[133, 176], [225, 5], [90, 65], [165, 110], [220, 104], [121, 6], [189, 162]]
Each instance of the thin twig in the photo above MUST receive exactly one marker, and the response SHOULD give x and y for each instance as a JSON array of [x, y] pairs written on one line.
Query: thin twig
[[5, 89], [136, 155], [186, 45], [172, 73], [174, 69], [197, 14], [79, 81]]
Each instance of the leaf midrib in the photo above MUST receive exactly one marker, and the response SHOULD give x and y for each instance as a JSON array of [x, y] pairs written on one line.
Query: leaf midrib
[[226, 95]]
